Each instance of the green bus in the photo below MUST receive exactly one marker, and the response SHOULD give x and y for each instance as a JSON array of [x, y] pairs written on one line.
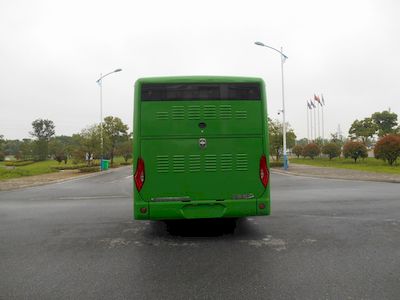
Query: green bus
[[200, 148]]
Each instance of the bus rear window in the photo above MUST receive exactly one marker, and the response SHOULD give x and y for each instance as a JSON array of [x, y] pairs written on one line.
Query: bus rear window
[[201, 91]]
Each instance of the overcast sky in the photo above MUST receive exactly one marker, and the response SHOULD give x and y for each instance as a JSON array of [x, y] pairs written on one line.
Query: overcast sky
[[52, 52]]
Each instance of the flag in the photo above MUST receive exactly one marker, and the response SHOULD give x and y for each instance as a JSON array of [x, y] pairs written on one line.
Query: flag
[[316, 98], [323, 101], [312, 104], [309, 105]]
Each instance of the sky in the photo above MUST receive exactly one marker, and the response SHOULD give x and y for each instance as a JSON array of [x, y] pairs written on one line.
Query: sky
[[52, 53]]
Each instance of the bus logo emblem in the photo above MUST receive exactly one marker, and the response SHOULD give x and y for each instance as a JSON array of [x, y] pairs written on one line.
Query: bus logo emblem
[[202, 143]]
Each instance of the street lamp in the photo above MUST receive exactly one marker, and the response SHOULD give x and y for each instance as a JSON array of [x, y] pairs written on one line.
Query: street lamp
[[100, 83], [283, 58]]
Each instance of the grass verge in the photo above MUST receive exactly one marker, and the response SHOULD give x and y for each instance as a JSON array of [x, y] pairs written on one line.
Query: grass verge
[[369, 164], [44, 167]]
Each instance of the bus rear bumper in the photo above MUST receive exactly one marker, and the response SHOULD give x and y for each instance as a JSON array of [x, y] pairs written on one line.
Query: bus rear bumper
[[201, 209]]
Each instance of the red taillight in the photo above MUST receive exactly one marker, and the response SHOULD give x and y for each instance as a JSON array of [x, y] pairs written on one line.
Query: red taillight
[[264, 172], [139, 174]]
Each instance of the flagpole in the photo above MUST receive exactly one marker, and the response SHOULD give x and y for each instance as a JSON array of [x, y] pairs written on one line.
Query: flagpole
[[323, 134], [319, 123], [311, 123], [315, 123], [308, 123], [323, 121]]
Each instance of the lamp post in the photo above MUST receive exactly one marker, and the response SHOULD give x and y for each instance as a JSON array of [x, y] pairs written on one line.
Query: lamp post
[[100, 83], [283, 58]]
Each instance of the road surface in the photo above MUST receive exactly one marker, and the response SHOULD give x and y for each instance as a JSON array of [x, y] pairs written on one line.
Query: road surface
[[325, 239]]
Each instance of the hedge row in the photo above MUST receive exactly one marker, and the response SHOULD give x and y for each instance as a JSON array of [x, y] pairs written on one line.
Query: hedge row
[[18, 163], [89, 169], [275, 164], [68, 167]]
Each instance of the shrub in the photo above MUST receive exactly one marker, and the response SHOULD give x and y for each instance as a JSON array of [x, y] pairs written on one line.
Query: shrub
[[332, 150], [2, 156], [18, 163], [68, 167], [89, 169], [388, 148], [276, 164], [311, 150], [125, 163], [355, 150], [298, 150]]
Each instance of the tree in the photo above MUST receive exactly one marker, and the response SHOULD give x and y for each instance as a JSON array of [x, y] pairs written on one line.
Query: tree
[[355, 150], [60, 148], [43, 130], [26, 149], [311, 150], [363, 129], [2, 155], [11, 147], [385, 121], [332, 150], [320, 141], [336, 139], [302, 142], [297, 150], [125, 149], [87, 143], [276, 137], [388, 148], [115, 132]]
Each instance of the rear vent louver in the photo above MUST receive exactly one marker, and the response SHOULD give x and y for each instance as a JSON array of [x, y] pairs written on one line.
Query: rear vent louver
[[178, 112], [194, 112], [197, 163], [225, 111], [241, 162], [210, 164], [162, 164], [206, 112], [178, 163]]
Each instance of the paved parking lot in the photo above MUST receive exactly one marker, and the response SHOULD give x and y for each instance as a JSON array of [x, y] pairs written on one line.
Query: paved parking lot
[[325, 239]]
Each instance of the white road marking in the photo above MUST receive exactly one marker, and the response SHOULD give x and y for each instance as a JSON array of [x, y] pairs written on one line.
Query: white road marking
[[93, 197]]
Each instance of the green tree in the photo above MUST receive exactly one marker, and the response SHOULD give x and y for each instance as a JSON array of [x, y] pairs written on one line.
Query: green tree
[[332, 150], [388, 148], [2, 155], [276, 137], [298, 150], [355, 150], [11, 147], [125, 149], [336, 139], [87, 143], [115, 132], [302, 142], [363, 129], [60, 148], [43, 130], [311, 150], [26, 149], [385, 121]]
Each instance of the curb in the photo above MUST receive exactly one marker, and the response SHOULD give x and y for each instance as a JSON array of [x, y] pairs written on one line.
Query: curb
[[282, 172], [67, 179]]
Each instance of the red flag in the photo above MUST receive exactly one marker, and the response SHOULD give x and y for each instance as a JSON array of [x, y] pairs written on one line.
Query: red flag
[[316, 98]]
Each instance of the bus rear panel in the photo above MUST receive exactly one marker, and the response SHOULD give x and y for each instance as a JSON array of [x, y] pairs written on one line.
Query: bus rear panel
[[200, 148]]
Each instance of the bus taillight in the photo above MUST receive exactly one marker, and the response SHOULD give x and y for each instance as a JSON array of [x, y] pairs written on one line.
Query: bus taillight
[[139, 174], [264, 172]]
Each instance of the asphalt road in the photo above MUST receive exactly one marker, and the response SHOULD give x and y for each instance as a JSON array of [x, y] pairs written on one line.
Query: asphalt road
[[325, 239]]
